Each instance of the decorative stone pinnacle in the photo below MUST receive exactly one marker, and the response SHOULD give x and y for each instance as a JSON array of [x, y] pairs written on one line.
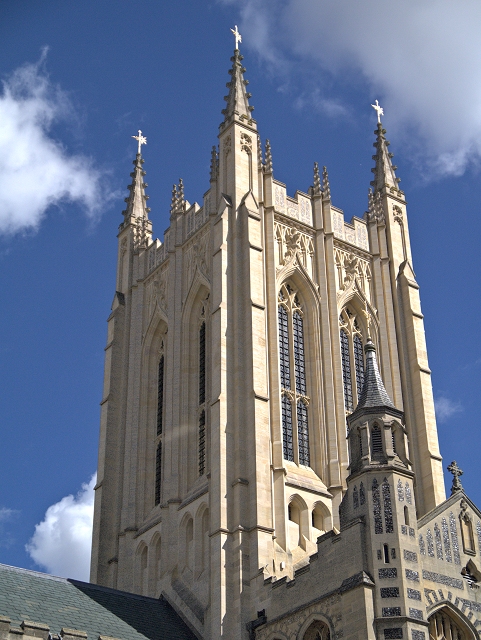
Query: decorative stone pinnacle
[[268, 165], [457, 472], [259, 152], [237, 37], [326, 188], [180, 196], [317, 180], [384, 170], [213, 164], [141, 140], [237, 107], [173, 202], [379, 110]]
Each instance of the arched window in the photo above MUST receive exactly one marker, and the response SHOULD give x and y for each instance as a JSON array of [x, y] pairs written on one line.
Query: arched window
[[160, 396], [295, 419], [442, 626], [352, 355], [158, 473], [189, 544], [202, 393], [318, 630]]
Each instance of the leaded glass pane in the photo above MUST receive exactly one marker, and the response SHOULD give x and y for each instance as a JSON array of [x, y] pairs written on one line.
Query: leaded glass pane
[[158, 472], [359, 364], [202, 364], [302, 433], [160, 396], [202, 443], [346, 371], [284, 348], [287, 445], [299, 361]]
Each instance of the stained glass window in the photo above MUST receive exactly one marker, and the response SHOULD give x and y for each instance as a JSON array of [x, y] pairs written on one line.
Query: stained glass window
[[158, 473], [202, 364], [346, 371], [288, 447], [202, 443], [160, 396], [303, 433]]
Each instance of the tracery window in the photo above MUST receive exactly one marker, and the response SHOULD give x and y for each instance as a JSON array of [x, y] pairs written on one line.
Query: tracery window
[[159, 426], [202, 389], [294, 399], [352, 356]]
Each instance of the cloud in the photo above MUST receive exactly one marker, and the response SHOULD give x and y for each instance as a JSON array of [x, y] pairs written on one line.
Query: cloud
[[445, 408], [422, 60], [62, 542], [36, 171], [6, 516]]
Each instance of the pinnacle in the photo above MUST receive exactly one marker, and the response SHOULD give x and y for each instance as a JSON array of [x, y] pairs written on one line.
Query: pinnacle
[[384, 171], [268, 165], [317, 180], [238, 98], [137, 199], [326, 187]]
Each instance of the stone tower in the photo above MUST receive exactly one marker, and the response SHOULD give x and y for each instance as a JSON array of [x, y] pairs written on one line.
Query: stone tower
[[235, 353]]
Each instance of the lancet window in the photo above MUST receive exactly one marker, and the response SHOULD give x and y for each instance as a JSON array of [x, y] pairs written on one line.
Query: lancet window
[[158, 472], [160, 396], [202, 393], [352, 355], [159, 426], [293, 378]]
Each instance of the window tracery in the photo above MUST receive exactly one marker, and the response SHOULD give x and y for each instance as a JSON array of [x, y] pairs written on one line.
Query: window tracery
[[158, 473], [294, 399], [160, 395], [202, 390], [352, 356]]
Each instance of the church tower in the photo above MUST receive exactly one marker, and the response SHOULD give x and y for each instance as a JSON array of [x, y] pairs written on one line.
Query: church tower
[[237, 349]]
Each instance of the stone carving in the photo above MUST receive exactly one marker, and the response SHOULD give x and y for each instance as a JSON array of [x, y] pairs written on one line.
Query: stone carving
[[156, 290], [353, 271], [398, 213], [294, 245], [246, 143], [195, 257], [280, 202], [375, 211], [227, 145]]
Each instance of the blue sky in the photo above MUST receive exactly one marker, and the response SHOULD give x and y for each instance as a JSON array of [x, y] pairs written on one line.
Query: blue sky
[[81, 78]]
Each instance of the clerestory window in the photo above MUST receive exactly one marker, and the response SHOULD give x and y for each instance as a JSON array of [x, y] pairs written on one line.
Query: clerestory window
[[160, 422], [352, 355], [202, 392], [294, 398]]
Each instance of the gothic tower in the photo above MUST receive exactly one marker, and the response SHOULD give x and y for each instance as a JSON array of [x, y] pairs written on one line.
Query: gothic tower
[[235, 353]]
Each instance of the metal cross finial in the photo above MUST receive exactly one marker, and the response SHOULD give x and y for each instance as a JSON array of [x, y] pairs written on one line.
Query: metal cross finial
[[237, 36], [456, 471], [379, 110], [141, 139]]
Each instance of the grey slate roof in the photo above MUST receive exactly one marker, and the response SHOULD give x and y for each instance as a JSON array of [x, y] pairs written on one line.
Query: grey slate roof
[[57, 602], [373, 393]]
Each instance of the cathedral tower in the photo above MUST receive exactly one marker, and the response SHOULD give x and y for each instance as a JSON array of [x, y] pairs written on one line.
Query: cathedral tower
[[235, 354]]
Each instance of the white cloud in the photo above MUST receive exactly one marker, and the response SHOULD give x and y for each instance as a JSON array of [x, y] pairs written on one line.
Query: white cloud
[[62, 542], [445, 408], [36, 171], [421, 59]]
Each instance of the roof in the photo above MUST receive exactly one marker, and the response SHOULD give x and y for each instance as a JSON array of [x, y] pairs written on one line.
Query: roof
[[60, 603]]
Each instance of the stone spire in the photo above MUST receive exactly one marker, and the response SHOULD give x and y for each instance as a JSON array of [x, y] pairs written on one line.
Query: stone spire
[[137, 208], [238, 107], [373, 394], [384, 171], [214, 164]]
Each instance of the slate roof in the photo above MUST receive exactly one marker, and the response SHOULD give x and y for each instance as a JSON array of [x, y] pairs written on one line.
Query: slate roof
[[58, 602], [373, 392]]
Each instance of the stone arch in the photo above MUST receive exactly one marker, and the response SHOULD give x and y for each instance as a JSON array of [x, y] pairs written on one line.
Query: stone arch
[[202, 540], [195, 302], [316, 627], [445, 617], [298, 522], [186, 546], [154, 344], [141, 569], [321, 520], [155, 569], [297, 277]]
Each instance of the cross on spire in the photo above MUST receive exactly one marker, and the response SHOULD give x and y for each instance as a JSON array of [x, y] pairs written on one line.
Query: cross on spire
[[237, 36], [457, 472], [378, 109], [141, 140]]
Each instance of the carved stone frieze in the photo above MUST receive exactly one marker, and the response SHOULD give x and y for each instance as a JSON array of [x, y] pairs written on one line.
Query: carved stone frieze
[[352, 270], [156, 289]]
